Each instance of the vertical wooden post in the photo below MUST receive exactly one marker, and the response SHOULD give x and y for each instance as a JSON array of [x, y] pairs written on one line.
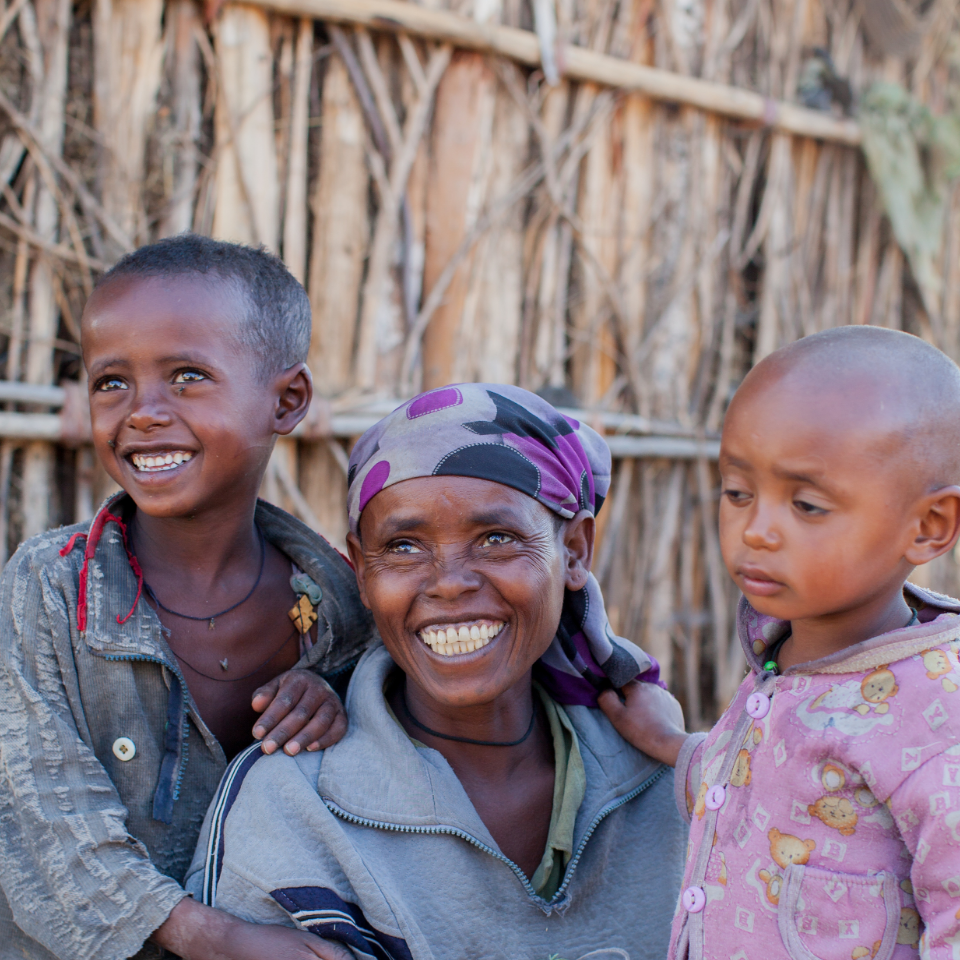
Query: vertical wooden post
[[183, 69], [127, 62], [53, 17], [462, 120], [247, 192], [295, 212]]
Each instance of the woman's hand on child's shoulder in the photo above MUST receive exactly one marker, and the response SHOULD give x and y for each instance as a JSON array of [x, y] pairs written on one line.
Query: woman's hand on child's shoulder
[[300, 710], [649, 718]]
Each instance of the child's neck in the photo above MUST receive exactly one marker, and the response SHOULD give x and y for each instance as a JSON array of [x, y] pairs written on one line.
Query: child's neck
[[200, 549], [816, 637]]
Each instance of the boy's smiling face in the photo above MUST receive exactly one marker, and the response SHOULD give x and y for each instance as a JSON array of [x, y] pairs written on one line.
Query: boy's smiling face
[[182, 417], [829, 499]]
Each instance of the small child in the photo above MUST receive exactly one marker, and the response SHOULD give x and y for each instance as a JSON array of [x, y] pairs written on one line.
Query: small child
[[137, 650], [825, 804]]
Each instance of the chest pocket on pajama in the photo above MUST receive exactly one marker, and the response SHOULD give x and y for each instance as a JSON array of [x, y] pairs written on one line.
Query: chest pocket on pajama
[[824, 915]]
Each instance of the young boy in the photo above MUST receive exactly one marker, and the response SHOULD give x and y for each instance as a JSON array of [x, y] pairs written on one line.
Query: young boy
[[137, 650], [825, 804]]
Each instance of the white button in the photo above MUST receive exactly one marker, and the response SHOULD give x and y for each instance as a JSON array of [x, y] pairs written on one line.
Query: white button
[[694, 899], [715, 797], [124, 749], [758, 705]]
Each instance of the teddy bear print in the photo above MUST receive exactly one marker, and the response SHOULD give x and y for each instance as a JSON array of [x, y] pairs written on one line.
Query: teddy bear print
[[860, 953], [876, 688], [786, 849], [774, 884], [938, 665], [740, 777], [833, 777], [700, 805], [909, 931], [836, 812]]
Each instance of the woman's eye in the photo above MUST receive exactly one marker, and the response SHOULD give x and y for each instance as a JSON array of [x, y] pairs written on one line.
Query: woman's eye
[[404, 548], [189, 376], [108, 384], [497, 539]]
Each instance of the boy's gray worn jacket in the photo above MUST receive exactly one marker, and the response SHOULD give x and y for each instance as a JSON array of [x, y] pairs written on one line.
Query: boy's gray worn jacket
[[92, 847], [375, 843]]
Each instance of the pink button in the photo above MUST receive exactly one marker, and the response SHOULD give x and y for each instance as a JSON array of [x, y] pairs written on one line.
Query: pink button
[[715, 797], [758, 705], [694, 899]]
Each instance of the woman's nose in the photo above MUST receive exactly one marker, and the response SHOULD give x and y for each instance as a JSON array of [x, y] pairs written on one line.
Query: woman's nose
[[452, 576]]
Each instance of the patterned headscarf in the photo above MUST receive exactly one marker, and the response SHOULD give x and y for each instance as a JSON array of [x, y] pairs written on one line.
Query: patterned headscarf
[[511, 436]]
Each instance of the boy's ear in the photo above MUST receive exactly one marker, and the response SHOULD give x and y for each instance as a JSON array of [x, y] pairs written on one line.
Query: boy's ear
[[578, 536], [939, 526], [294, 392], [359, 565]]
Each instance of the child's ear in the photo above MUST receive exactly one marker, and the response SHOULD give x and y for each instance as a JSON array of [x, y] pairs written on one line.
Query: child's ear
[[939, 527], [294, 392], [578, 536]]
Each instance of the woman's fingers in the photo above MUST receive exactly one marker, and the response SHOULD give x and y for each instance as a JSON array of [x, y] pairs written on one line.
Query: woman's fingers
[[304, 712]]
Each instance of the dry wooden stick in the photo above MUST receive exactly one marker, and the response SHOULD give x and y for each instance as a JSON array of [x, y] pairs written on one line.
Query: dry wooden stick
[[579, 63], [387, 220], [9, 15], [368, 57], [56, 249], [44, 160]]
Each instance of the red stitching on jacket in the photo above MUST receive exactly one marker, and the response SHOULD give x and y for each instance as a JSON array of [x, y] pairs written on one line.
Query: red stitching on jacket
[[93, 539]]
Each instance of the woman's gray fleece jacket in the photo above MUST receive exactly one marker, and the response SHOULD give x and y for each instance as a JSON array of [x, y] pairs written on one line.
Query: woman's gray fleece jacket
[[374, 843]]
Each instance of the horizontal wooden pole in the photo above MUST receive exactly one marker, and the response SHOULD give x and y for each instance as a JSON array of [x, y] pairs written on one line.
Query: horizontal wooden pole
[[52, 427], [578, 63]]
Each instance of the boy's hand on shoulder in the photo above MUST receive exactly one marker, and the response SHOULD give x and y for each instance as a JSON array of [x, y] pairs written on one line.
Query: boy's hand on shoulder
[[649, 718], [300, 710], [196, 932]]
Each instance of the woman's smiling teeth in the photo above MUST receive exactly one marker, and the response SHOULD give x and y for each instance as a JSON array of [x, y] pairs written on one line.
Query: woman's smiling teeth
[[455, 639], [160, 461]]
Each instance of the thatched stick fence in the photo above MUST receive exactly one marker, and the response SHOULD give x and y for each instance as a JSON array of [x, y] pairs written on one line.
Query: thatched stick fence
[[622, 204]]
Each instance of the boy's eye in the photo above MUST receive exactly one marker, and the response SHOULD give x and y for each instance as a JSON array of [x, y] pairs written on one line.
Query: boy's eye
[[497, 539], [736, 496], [189, 376], [810, 509], [108, 384]]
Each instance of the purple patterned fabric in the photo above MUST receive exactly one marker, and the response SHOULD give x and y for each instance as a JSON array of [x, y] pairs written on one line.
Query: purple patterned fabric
[[511, 436]]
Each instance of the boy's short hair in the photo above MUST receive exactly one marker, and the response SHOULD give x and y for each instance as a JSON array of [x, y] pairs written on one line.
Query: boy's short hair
[[278, 324]]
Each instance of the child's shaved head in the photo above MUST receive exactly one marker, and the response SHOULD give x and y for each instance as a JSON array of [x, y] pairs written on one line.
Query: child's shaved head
[[875, 381], [277, 320]]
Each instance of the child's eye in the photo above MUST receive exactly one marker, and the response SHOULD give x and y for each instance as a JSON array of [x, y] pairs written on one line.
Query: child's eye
[[809, 509], [189, 376], [736, 496], [497, 539], [108, 384]]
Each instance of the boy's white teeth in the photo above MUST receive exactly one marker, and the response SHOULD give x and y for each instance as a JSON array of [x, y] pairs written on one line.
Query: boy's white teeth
[[465, 638], [161, 461]]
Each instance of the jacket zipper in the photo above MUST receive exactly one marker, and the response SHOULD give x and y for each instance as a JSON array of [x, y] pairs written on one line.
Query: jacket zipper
[[521, 876], [184, 696]]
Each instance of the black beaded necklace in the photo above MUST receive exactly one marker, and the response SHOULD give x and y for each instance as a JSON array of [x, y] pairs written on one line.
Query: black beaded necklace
[[447, 736], [212, 618]]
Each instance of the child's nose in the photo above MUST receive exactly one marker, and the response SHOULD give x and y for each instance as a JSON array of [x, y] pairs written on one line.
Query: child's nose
[[761, 532], [148, 412]]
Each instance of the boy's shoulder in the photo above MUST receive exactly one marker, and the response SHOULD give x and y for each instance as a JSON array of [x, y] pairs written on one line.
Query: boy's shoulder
[[47, 551]]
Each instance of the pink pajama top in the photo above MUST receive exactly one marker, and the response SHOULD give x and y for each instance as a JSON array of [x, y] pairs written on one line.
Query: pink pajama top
[[824, 807]]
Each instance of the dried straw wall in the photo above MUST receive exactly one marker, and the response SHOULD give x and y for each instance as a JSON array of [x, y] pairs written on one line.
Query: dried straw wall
[[457, 215]]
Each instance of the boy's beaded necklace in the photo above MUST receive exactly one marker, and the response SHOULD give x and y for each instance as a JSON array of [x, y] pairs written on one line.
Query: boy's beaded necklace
[[213, 617], [770, 666]]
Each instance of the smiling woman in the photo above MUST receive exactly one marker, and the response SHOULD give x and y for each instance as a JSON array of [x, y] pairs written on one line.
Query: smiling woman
[[476, 758]]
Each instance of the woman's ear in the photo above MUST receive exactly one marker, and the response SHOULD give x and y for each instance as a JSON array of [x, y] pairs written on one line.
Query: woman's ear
[[355, 549], [578, 537], [294, 391], [939, 526]]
